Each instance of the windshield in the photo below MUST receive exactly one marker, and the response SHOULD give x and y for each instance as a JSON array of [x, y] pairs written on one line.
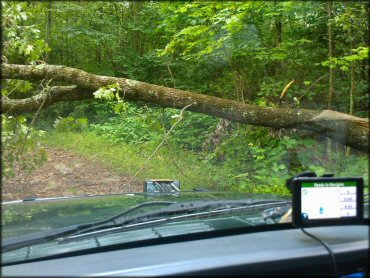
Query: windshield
[[131, 121]]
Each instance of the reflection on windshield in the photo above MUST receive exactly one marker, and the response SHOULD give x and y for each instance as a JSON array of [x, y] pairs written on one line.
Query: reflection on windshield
[[170, 219]]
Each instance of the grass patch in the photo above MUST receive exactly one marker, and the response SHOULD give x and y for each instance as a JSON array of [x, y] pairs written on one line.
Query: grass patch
[[122, 158]]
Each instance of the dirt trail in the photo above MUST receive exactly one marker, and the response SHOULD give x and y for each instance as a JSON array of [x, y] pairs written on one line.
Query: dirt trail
[[66, 174]]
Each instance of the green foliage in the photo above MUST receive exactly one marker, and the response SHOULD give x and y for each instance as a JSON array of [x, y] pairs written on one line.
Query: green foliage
[[22, 42], [207, 46], [134, 125], [255, 162], [132, 131], [70, 124], [19, 153], [232, 50], [337, 163], [96, 112], [192, 131], [360, 53]]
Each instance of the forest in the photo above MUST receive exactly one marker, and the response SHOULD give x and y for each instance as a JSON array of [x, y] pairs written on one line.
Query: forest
[[227, 95]]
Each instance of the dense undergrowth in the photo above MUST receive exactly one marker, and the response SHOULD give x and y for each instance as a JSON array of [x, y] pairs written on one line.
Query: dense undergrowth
[[246, 158]]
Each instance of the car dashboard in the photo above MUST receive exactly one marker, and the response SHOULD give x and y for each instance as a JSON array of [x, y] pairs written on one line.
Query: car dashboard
[[280, 250]]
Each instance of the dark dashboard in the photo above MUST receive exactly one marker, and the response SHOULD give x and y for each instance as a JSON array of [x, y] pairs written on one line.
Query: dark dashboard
[[275, 252]]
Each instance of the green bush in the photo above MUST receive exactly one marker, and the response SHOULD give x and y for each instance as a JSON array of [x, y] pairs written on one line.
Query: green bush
[[70, 124], [20, 149]]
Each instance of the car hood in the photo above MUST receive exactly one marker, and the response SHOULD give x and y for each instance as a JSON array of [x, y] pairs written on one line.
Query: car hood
[[28, 216], [25, 219]]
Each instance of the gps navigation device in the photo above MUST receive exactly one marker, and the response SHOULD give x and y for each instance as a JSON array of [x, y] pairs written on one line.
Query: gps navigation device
[[320, 201]]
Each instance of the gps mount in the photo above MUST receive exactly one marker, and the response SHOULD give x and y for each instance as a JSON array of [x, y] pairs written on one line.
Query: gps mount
[[307, 173]]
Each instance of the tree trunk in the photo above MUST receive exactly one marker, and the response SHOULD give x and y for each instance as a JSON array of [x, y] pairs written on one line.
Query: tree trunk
[[67, 49], [349, 130], [278, 36], [352, 90], [278, 26], [331, 46], [48, 30], [331, 81]]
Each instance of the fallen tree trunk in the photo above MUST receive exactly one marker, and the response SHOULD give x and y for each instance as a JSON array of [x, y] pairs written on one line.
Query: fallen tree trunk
[[349, 130]]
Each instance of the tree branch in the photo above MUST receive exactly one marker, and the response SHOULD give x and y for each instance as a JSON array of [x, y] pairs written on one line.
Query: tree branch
[[349, 130], [56, 94]]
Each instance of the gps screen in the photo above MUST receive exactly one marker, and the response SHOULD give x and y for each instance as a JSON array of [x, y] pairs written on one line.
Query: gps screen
[[325, 200], [320, 201]]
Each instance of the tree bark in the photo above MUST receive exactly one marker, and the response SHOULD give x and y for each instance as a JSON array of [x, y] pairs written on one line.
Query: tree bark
[[278, 26], [349, 130], [331, 72], [331, 46], [48, 30], [278, 23], [352, 90]]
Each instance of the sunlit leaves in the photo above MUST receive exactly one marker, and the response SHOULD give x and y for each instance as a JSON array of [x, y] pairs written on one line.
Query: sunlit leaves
[[109, 92], [22, 39], [343, 63], [208, 28], [361, 53]]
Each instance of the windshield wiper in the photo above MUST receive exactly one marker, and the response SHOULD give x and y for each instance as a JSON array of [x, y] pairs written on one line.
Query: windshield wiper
[[120, 222], [13, 243], [189, 210]]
